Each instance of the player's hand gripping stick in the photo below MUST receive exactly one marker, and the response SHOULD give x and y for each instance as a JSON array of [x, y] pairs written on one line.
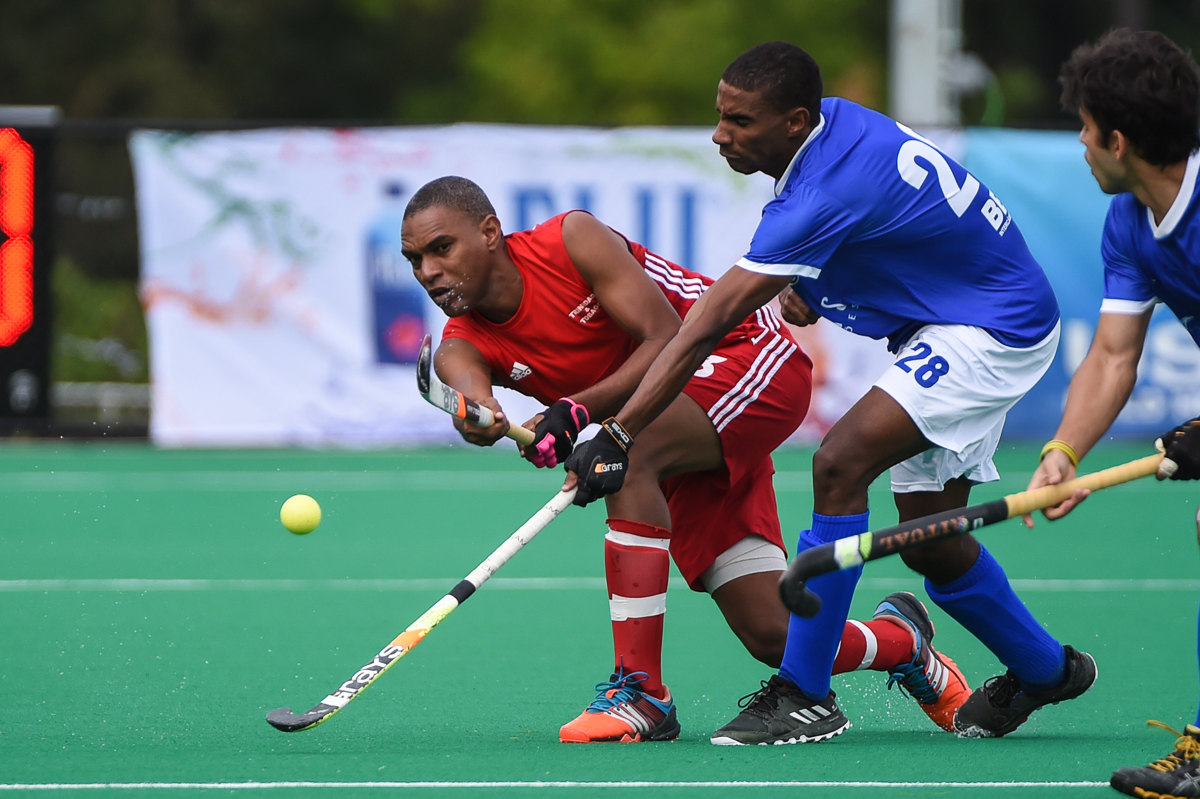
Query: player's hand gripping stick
[[1181, 452], [848, 552], [601, 463], [554, 437], [454, 402]]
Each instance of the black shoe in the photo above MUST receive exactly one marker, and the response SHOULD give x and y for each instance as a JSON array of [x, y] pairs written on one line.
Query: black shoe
[[1176, 775], [1001, 705], [780, 713]]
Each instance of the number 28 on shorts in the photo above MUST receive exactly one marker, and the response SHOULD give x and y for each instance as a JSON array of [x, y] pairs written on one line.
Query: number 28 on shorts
[[925, 367]]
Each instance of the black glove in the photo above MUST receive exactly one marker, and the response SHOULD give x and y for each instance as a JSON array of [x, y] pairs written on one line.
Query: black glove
[[1181, 451], [554, 437], [601, 463]]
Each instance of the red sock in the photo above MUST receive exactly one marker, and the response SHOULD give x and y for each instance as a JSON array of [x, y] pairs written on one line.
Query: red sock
[[877, 645], [637, 565]]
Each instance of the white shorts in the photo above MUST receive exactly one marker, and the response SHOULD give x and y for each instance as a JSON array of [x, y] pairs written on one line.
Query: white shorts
[[957, 383], [752, 555]]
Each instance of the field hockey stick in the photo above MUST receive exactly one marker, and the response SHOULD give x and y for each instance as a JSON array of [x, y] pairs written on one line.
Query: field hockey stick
[[846, 553], [283, 718], [453, 402]]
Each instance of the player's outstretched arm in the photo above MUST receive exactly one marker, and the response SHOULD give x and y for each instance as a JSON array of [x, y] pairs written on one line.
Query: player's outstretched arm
[[461, 366], [1098, 391], [603, 461]]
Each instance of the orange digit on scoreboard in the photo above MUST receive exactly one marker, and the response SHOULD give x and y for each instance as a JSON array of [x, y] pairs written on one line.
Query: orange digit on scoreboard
[[16, 224]]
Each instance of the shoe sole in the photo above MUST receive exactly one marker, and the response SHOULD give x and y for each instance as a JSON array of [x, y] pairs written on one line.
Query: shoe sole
[[723, 740], [667, 733], [980, 732]]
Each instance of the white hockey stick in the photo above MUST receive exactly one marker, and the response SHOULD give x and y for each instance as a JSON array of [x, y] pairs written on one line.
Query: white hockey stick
[[453, 402], [283, 718]]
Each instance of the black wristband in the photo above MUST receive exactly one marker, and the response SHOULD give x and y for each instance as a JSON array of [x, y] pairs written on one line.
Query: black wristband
[[619, 433]]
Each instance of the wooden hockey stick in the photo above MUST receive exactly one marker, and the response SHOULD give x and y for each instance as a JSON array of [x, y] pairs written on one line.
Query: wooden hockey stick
[[853, 550]]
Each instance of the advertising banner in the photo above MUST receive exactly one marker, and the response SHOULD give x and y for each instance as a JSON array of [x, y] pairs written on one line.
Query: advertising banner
[[281, 312]]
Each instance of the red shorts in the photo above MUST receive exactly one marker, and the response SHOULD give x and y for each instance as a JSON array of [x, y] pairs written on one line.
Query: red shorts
[[756, 396]]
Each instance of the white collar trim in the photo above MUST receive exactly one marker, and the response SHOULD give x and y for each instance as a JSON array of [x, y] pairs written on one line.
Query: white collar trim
[[787, 173], [1175, 212]]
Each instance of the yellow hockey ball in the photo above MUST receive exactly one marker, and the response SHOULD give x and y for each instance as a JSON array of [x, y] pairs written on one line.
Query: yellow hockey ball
[[300, 514]]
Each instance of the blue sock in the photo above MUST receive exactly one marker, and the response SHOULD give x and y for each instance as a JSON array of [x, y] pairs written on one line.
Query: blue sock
[[984, 603], [812, 644], [1198, 656]]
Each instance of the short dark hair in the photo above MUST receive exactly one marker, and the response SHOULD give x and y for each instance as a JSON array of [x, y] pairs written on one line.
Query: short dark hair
[[452, 192], [785, 76], [1142, 84]]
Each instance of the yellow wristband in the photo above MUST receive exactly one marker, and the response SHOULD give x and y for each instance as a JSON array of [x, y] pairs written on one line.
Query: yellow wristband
[[1062, 447]]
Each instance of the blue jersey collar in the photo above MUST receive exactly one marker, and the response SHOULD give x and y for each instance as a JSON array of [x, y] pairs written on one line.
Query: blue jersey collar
[[1182, 199], [787, 173]]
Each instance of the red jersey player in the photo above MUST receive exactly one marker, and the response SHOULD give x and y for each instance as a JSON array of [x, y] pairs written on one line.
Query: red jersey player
[[572, 314]]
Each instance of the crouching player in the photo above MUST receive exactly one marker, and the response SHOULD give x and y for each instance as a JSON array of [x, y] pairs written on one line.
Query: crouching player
[[572, 314]]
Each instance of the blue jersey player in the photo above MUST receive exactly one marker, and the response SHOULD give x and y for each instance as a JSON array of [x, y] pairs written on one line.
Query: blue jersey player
[[1137, 95], [880, 232]]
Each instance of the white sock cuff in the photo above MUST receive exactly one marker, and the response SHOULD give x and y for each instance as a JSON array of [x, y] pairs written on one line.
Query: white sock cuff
[[872, 645], [631, 540], [623, 608]]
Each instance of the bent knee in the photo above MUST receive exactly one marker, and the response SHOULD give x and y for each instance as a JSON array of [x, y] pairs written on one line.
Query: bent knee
[[765, 640]]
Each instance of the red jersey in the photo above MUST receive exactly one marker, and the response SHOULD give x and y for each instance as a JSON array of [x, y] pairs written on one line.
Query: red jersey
[[560, 341]]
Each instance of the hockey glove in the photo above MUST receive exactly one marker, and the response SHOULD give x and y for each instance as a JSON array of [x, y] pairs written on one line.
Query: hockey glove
[[1181, 452], [601, 463], [554, 437]]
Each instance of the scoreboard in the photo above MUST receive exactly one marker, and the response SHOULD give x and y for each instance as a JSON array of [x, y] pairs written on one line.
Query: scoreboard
[[27, 142]]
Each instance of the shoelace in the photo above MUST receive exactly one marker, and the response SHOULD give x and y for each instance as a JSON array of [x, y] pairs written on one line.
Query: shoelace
[[1002, 689], [611, 694], [913, 680], [764, 696], [1186, 748]]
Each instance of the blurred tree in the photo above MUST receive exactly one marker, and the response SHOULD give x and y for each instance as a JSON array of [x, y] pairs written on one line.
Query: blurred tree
[[639, 62], [267, 59], [1025, 43]]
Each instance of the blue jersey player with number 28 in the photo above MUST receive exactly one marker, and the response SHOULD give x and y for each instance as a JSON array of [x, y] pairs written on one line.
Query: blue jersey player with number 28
[[880, 232]]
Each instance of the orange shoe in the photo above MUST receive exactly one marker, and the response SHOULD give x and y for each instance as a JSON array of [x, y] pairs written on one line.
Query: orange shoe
[[622, 713], [930, 677]]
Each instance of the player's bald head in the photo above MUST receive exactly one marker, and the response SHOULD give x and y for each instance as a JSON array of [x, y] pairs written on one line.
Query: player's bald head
[[452, 192], [786, 76]]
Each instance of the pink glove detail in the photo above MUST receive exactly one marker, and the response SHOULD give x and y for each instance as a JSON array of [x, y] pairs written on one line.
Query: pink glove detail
[[545, 457]]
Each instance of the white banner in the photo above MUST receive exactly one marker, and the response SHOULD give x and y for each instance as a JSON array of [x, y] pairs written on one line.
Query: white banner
[[280, 312]]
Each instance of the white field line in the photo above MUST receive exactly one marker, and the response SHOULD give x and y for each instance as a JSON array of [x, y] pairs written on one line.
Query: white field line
[[789, 482], [533, 584], [227, 786]]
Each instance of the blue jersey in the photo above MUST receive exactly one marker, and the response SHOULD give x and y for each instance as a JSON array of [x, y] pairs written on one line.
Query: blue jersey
[[1145, 263], [886, 234]]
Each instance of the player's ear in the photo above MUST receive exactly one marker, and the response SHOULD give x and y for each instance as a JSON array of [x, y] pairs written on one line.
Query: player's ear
[[491, 231], [1119, 145], [797, 120]]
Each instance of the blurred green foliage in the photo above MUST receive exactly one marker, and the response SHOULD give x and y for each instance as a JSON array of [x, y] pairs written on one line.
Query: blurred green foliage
[[103, 335], [636, 62], [431, 61]]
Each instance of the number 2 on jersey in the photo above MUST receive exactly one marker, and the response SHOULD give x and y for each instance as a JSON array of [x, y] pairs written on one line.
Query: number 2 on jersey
[[929, 373]]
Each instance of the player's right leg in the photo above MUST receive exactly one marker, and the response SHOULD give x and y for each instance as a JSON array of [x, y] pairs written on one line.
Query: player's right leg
[[634, 704]]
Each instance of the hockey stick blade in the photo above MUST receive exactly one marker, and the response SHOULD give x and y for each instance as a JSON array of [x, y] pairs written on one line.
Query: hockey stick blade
[[284, 719], [453, 402], [846, 553]]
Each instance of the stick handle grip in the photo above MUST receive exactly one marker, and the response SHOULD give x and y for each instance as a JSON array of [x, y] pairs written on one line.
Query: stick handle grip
[[1046, 496]]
